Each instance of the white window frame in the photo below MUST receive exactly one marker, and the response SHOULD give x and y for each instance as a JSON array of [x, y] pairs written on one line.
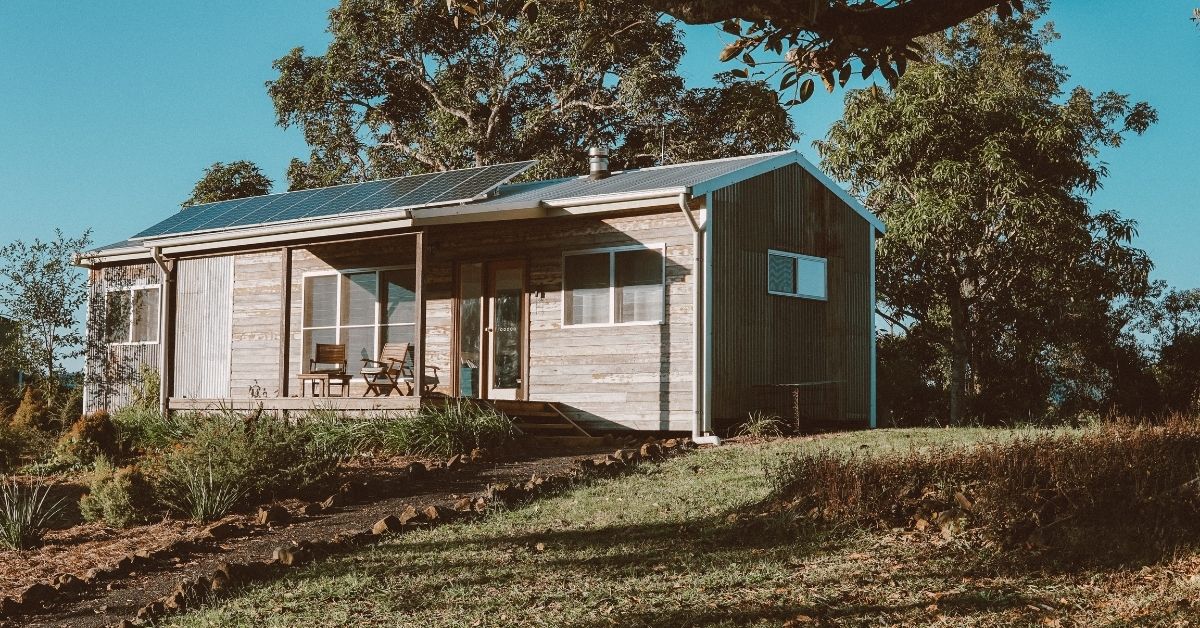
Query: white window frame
[[796, 270], [130, 314], [612, 285], [337, 326]]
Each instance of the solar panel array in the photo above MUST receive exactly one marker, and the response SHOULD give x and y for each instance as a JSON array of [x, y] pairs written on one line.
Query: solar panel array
[[455, 186]]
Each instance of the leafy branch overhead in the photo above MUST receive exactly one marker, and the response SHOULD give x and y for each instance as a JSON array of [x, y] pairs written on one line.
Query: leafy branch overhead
[[828, 39]]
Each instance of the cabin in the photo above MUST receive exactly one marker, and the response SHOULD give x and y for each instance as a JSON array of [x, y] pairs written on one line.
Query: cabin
[[673, 298]]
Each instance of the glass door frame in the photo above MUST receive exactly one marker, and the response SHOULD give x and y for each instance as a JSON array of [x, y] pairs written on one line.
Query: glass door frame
[[487, 288]]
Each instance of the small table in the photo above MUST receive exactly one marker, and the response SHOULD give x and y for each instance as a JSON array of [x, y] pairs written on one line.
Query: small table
[[324, 380]]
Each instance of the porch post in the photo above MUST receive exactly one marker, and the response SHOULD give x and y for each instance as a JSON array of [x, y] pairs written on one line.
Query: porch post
[[166, 332], [285, 317], [419, 319]]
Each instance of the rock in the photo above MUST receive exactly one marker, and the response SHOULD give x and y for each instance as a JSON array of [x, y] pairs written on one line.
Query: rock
[[35, 593], [291, 556], [463, 505], [438, 514], [390, 523], [416, 470], [151, 610], [410, 515], [311, 509], [8, 606], [142, 555], [478, 455], [586, 464], [174, 601], [69, 583], [628, 456], [218, 582], [651, 450], [688, 444], [455, 462], [91, 575], [337, 500], [480, 504], [272, 515], [671, 444], [221, 531]]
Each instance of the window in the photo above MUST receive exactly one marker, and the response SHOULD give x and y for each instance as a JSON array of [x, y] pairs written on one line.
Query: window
[[132, 315], [613, 286], [795, 275], [360, 309]]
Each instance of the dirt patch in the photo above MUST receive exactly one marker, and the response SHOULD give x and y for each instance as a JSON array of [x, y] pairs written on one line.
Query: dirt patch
[[108, 603]]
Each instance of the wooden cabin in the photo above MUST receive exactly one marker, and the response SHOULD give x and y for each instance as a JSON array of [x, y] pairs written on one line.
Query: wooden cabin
[[674, 298]]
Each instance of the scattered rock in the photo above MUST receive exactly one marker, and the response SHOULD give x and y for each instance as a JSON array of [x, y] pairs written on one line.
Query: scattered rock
[[68, 583], [218, 582], [390, 523], [463, 505], [438, 514], [455, 462], [337, 500], [35, 593], [651, 450], [478, 455], [671, 444], [410, 515], [8, 606], [221, 531], [311, 509], [416, 470], [151, 610], [291, 556], [272, 515], [174, 601]]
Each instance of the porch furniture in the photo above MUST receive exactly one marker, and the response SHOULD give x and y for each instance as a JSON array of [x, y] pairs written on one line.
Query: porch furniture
[[332, 360], [395, 367]]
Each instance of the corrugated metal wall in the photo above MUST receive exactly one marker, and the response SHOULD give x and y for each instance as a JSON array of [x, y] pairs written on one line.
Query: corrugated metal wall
[[113, 371], [203, 327], [769, 339]]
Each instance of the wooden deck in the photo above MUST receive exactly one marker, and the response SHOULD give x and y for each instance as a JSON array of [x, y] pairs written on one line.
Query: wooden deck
[[356, 404]]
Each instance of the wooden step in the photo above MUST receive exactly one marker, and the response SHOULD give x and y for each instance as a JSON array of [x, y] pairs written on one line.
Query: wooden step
[[527, 427]]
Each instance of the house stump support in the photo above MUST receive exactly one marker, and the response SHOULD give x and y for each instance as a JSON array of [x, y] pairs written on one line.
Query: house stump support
[[285, 317], [419, 319]]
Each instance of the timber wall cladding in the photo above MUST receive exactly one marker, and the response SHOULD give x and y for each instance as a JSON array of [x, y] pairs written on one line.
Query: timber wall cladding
[[203, 327], [112, 369], [254, 349], [768, 339], [637, 376]]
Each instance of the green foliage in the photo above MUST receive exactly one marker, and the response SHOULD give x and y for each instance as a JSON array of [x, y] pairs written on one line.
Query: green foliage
[[34, 413], [118, 496], [92, 436], [42, 292], [224, 182], [12, 445], [218, 456], [146, 392], [407, 87], [143, 429], [444, 430], [26, 513], [982, 165], [761, 425], [1112, 492]]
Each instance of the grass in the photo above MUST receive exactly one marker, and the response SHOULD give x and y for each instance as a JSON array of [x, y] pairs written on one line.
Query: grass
[[26, 513], [665, 546]]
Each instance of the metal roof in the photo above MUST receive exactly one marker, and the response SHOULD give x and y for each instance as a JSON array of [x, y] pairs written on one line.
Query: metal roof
[[696, 178]]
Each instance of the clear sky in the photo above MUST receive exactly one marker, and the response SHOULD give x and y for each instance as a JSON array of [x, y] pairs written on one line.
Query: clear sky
[[109, 112]]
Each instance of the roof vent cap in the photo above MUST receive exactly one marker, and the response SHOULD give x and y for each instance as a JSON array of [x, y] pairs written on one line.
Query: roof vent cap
[[598, 162]]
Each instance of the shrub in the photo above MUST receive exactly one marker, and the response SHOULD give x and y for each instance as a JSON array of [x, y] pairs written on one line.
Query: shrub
[[221, 455], [146, 392], [25, 514], [117, 496], [91, 436], [761, 425], [12, 445], [449, 429], [139, 428], [1110, 493], [68, 406], [34, 411], [200, 494]]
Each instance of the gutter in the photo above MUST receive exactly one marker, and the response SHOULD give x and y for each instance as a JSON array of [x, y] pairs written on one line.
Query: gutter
[[701, 327]]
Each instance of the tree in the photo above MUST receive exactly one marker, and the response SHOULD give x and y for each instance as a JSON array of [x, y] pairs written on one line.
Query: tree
[[224, 182], [407, 87], [42, 292], [1172, 323], [982, 167]]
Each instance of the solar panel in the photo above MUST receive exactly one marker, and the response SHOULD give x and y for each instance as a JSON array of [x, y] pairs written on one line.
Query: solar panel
[[407, 192]]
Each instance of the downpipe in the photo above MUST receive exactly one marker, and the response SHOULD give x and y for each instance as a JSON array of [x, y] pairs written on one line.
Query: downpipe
[[701, 390]]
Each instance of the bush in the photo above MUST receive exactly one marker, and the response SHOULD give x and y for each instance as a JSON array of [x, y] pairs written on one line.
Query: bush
[[145, 429], [222, 456], [34, 412], [12, 445], [68, 406], [449, 429], [91, 436], [25, 514], [1108, 494], [117, 496]]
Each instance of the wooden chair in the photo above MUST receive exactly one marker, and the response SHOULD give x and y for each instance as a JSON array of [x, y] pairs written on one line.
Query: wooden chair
[[332, 359], [395, 367]]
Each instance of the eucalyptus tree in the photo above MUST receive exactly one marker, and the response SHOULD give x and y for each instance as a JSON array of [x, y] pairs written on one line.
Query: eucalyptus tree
[[409, 87], [223, 182], [981, 162]]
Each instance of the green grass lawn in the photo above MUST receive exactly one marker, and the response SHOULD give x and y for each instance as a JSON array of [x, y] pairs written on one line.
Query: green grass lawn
[[659, 547]]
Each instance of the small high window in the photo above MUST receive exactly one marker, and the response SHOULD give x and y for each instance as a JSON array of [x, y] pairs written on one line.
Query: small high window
[[796, 275], [132, 315], [613, 286]]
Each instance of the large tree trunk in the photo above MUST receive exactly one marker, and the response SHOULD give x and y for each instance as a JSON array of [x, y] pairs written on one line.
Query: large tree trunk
[[960, 358]]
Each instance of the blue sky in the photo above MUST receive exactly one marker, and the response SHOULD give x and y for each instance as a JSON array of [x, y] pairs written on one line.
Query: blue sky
[[110, 111]]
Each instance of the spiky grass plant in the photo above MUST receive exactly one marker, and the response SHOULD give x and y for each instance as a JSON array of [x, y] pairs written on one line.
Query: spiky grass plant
[[201, 496], [761, 425], [26, 514], [448, 429]]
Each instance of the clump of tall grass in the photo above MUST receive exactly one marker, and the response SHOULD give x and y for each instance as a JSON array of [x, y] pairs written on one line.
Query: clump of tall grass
[[26, 513], [761, 425], [1107, 493], [200, 494]]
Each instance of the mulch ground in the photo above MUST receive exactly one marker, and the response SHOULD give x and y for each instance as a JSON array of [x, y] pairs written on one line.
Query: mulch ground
[[79, 548]]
